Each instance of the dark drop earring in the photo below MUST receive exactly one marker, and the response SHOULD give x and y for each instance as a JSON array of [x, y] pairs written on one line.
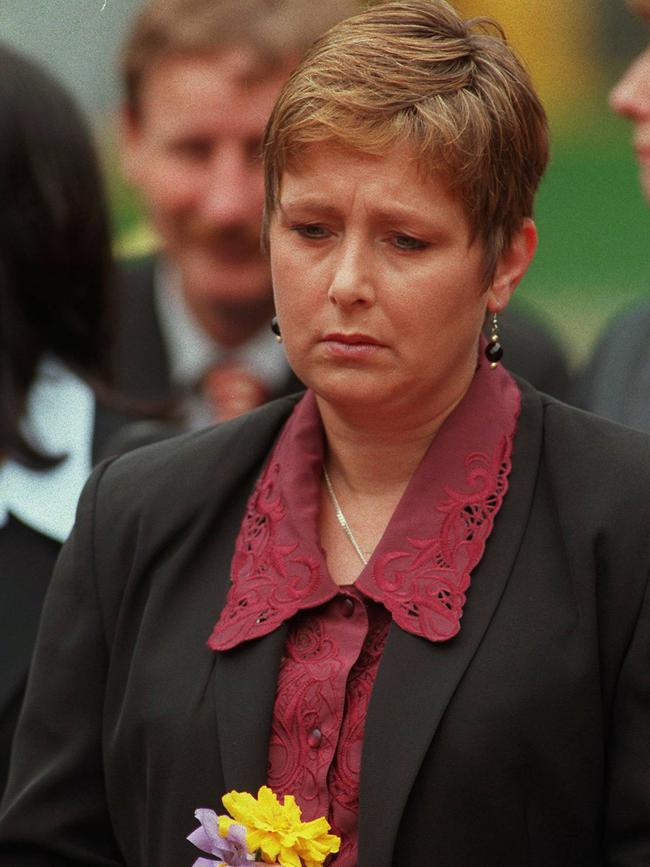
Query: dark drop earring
[[275, 328], [494, 350]]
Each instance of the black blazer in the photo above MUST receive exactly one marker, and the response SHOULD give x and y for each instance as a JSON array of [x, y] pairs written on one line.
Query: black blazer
[[522, 741], [616, 381]]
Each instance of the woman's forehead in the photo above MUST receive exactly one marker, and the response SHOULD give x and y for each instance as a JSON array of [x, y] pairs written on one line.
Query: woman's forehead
[[394, 180]]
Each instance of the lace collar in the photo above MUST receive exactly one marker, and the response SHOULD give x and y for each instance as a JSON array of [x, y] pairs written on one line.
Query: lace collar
[[420, 570]]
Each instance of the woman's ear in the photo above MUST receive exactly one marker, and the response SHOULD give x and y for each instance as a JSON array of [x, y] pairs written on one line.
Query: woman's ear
[[512, 266]]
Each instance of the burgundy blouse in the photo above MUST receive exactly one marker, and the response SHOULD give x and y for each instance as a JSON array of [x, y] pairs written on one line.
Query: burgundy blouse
[[418, 577]]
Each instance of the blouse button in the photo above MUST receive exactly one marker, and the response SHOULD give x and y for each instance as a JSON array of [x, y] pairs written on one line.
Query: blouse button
[[314, 738], [348, 606]]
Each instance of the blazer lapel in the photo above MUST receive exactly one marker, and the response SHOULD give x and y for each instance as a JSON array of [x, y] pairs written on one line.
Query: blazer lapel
[[245, 677], [140, 358], [417, 679], [245, 680]]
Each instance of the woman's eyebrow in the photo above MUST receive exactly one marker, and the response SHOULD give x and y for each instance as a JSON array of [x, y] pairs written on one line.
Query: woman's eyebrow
[[308, 204], [380, 213]]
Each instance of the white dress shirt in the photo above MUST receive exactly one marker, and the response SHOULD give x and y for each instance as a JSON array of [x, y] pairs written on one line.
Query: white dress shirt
[[59, 420]]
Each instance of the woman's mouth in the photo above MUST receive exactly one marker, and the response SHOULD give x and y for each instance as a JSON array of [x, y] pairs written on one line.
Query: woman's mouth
[[353, 345]]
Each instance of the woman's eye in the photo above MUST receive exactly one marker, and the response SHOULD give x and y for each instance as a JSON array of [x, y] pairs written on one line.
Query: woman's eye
[[406, 242], [312, 231]]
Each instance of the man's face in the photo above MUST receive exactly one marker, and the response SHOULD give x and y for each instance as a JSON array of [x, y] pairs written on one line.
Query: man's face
[[194, 153]]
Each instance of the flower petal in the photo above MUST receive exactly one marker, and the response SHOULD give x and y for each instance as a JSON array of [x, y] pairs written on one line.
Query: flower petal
[[292, 810], [230, 847], [315, 828], [202, 841], [242, 806], [209, 823], [288, 858]]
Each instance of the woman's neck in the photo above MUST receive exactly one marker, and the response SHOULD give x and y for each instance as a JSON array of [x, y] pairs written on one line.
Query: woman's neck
[[369, 469], [375, 457]]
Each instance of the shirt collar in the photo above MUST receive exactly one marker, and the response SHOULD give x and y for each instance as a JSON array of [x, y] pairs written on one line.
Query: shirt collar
[[59, 420], [420, 570], [192, 351]]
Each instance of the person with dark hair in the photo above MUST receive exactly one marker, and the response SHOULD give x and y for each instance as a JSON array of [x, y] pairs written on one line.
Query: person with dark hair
[[55, 293], [415, 599]]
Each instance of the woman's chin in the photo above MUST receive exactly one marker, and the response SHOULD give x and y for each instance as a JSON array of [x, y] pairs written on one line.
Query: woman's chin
[[352, 391]]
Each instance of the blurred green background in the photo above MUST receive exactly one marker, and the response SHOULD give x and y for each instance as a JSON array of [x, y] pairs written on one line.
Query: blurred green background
[[594, 225]]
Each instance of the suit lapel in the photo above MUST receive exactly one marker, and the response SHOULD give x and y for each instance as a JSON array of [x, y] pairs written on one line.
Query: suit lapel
[[245, 677], [141, 362], [245, 680], [417, 679]]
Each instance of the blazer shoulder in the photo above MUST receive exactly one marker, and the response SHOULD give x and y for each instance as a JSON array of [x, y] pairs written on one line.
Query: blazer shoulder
[[633, 321], [606, 461], [619, 353], [177, 475]]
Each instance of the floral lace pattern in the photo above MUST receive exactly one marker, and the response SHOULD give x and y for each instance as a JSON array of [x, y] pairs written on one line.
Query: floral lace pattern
[[425, 587], [271, 580]]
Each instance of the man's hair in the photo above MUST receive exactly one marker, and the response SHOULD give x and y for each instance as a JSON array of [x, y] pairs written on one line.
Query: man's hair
[[276, 32], [414, 74]]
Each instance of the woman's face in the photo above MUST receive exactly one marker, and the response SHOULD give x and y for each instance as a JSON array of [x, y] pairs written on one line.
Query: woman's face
[[377, 289]]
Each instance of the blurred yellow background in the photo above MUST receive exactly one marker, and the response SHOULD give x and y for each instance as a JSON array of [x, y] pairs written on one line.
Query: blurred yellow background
[[556, 38]]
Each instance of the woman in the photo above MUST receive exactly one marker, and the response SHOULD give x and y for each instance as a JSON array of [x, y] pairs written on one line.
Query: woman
[[55, 269], [349, 661]]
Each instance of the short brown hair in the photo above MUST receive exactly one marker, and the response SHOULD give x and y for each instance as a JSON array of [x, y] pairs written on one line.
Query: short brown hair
[[414, 72], [275, 30]]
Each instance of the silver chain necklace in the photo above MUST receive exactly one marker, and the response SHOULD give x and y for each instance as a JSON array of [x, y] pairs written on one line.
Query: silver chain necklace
[[340, 517]]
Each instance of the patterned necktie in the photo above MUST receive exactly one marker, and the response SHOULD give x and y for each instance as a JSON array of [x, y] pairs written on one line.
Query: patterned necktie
[[232, 390]]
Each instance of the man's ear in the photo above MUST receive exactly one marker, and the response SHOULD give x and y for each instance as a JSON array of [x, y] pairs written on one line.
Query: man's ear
[[129, 143], [512, 266]]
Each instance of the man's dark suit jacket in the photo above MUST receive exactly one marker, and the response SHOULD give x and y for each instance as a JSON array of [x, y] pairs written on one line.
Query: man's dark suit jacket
[[26, 561], [142, 363], [521, 741], [616, 382]]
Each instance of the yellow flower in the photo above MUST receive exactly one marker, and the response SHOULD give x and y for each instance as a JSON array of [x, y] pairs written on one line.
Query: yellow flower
[[277, 830]]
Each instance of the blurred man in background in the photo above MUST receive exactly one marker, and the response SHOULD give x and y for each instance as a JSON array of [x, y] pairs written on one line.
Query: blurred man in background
[[616, 383], [200, 78]]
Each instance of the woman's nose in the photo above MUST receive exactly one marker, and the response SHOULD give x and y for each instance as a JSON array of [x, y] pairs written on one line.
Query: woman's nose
[[352, 281], [631, 96]]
